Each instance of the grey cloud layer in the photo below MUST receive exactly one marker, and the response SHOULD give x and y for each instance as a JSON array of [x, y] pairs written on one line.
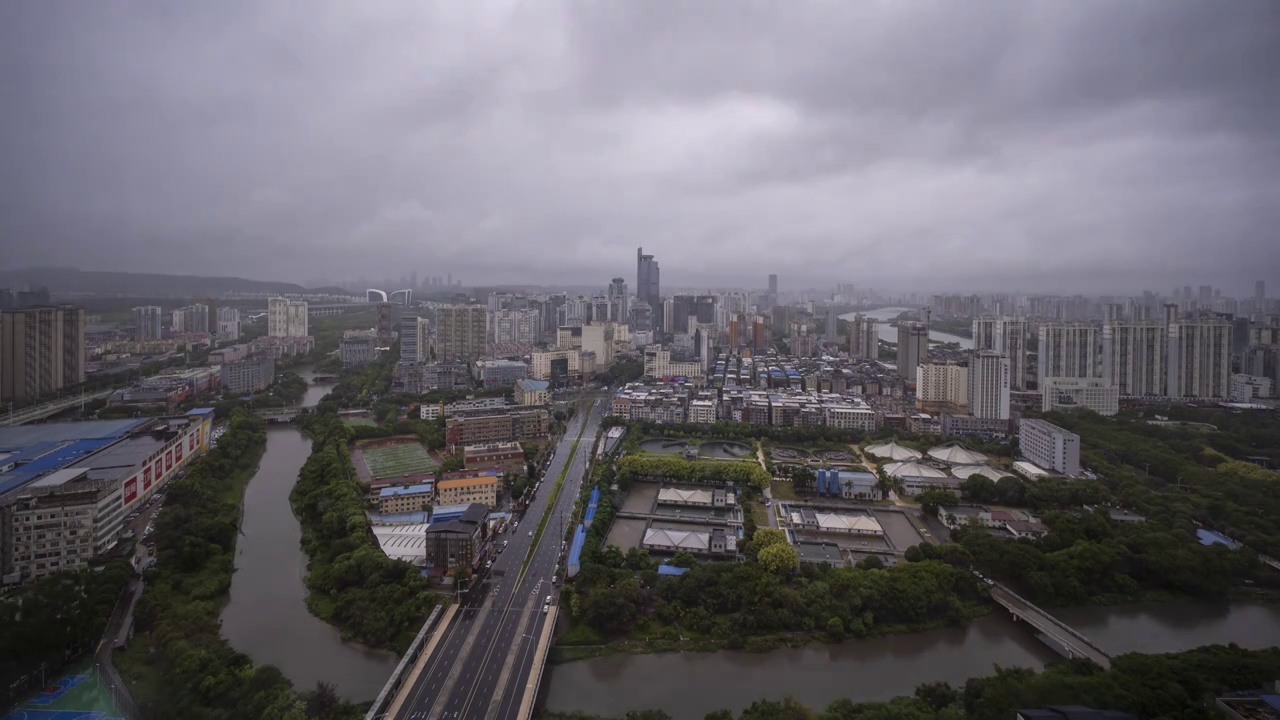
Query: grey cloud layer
[[1098, 145]]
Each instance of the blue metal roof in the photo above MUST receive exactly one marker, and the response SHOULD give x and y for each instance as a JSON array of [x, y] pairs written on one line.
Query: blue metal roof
[[409, 490], [1209, 537], [47, 457], [575, 551], [672, 570]]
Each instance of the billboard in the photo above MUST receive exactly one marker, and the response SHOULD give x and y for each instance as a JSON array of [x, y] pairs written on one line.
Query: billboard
[[168, 461], [130, 490], [146, 478]]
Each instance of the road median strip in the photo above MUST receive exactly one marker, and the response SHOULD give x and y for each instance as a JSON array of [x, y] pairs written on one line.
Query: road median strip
[[551, 504]]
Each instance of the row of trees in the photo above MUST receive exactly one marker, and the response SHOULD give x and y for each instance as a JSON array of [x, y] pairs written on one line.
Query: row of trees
[[353, 585], [48, 623], [1178, 686], [746, 474], [181, 666]]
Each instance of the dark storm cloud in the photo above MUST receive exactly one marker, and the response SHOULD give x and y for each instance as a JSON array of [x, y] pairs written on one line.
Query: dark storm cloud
[[1090, 145]]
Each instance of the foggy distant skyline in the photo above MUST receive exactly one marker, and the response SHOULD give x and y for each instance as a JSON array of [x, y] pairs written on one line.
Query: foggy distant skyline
[[1092, 147]]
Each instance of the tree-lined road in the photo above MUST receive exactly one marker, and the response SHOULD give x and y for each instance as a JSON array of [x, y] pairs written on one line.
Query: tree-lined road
[[479, 668]]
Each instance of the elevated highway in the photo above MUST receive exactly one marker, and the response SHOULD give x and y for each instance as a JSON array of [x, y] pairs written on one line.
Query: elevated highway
[[487, 663], [49, 409]]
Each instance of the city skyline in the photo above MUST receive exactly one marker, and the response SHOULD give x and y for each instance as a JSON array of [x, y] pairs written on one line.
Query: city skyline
[[547, 143]]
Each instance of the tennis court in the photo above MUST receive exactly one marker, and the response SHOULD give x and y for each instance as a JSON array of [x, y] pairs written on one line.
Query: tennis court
[[81, 695], [398, 460]]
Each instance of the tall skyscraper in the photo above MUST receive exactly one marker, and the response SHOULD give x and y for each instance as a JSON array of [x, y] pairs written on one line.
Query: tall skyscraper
[[41, 351], [228, 324], [461, 332], [286, 318], [989, 385], [832, 324], [147, 323], [1199, 358], [516, 326], [1133, 356], [773, 284], [1260, 290], [191, 319], [1008, 335], [864, 337], [619, 303], [648, 287], [1068, 350], [913, 348], [414, 339]]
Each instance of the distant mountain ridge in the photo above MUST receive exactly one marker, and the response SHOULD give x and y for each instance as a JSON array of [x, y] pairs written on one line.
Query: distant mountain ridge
[[96, 282]]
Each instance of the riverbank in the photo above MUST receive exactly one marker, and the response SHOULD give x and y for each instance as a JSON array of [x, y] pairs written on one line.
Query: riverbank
[[583, 643], [178, 662]]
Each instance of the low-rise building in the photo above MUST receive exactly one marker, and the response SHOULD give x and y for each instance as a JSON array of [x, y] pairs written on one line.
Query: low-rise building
[[466, 487], [812, 520], [500, 373], [411, 498], [659, 365], [1068, 393], [848, 484], [358, 348], [532, 392], [504, 457], [1050, 446], [1247, 388], [696, 497], [716, 541], [497, 426], [702, 411], [457, 542], [253, 374]]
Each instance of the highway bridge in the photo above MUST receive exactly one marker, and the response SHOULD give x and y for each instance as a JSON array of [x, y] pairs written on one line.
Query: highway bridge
[[1057, 634], [49, 409], [484, 660]]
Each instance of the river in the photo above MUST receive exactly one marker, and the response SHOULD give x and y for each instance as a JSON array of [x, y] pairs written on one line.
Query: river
[[266, 617], [889, 333], [689, 685]]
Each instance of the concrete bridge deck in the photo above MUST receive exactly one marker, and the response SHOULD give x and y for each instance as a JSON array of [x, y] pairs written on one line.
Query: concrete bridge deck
[[1064, 635]]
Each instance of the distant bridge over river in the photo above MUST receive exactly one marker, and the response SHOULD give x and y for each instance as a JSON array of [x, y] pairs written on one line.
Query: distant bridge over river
[[1057, 634]]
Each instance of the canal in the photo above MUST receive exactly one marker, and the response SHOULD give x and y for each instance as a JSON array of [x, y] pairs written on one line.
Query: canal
[[689, 685], [889, 333], [266, 617]]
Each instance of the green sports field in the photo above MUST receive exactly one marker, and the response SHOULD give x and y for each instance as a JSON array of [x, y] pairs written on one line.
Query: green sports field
[[409, 458]]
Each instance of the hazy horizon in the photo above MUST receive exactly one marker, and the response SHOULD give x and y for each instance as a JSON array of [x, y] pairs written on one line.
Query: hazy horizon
[[1091, 147]]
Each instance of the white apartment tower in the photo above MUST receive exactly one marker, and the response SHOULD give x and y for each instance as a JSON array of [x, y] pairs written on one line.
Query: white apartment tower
[[1199, 358], [1068, 350], [147, 321], [1133, 356], [989, 385], [1007, 335], [286, 318], [516, 326], [942, 386], [415, 339]]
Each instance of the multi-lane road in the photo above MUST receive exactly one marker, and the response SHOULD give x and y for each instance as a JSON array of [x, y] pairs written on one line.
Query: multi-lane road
[[480, 665]]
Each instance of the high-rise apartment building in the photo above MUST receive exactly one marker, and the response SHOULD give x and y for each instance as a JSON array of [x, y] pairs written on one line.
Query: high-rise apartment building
[[516, 326], [147, 322], [461, 332], [1199, 358], [191, 319], [1068, 350], [913, 348], [832, 324], [942, 387], [286, 318], [41, 351], [648, 288], [989, 385], [228, 324], [864, 337], [1008, 335], [619, 302], [414, 339], [1260, 290], [1134, 353]]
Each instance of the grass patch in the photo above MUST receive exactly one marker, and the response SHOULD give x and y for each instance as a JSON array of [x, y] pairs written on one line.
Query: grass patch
[[555, 494], [760, 514], [397, 460], [783, 490]]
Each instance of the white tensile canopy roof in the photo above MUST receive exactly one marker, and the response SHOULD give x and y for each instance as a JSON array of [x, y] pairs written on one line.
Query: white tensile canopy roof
[[894, 451], [913, 469], [956, 455], [964, 471]]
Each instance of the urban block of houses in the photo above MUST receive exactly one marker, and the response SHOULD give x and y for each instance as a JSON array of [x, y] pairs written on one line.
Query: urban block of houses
[[504, 457], [405, 499], [467, 487]]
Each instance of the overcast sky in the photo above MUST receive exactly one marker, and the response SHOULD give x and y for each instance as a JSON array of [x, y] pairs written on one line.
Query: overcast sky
[[1055, 145]]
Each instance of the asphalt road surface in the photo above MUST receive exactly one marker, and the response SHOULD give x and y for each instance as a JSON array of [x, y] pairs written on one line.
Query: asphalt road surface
[[480, 666]]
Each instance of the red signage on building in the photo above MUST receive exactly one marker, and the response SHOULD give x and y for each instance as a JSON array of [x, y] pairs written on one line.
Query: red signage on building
[[130, 490], [146, 478], [191, 441], [168, 461], [159, 466], [177, 453]]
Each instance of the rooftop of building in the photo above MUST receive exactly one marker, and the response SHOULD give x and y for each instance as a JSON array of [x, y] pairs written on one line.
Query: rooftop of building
[[405, 490], [531, 385]]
